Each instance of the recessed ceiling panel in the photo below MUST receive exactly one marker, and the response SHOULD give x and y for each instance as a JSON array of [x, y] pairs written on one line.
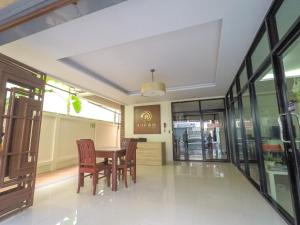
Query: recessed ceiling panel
[[184, 58]]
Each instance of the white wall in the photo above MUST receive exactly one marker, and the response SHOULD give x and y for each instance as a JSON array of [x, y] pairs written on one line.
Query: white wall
[[59, 133], [165, 136]]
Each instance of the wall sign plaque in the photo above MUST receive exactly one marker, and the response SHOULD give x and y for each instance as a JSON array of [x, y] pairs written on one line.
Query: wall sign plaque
[[147, 119]]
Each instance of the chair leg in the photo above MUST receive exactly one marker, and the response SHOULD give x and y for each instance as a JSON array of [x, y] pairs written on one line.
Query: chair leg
[[125, 177], [79, 182], [134, 173], [123, 174], [119, 175], [107, 174], [95, 178], [82, 180]]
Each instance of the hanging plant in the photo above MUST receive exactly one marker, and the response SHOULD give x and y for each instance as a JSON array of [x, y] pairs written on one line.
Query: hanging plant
[[76, 103]]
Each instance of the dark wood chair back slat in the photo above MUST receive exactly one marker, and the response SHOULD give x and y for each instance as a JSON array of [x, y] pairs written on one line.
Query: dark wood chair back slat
[[131, 151], [86, 153], [125, 143]]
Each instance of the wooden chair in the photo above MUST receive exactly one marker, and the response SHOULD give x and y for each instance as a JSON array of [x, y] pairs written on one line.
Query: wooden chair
[[87, 164], [129, 162]]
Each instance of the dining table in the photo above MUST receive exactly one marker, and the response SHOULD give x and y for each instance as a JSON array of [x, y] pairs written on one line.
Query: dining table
[[112, 153]]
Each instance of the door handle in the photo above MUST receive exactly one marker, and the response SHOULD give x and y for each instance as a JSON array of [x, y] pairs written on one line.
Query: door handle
[[298, 122], [281, 128]]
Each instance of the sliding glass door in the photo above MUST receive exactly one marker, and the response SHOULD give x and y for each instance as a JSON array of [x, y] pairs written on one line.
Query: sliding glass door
[[199, 133], [272, 146], [214, 136], [187, 137]]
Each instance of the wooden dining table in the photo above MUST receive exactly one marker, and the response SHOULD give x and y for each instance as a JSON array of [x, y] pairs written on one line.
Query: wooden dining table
[[112, 153]]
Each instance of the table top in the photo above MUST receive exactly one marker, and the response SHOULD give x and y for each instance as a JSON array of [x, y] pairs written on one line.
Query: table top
[[109, 152], [113, 149]]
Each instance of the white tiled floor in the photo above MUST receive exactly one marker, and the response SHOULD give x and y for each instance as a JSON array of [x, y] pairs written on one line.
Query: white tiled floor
[[188, 194]]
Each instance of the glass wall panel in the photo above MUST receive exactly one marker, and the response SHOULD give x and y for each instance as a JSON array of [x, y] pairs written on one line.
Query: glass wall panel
[[232, 132], [286, 15], [238, 141], [248, 124], [212, 104], [278, 182], [188, 126], [234, 93], [187, 137], [291, 62], [260, 53], [243, 78], [192, 106], [214, 136]]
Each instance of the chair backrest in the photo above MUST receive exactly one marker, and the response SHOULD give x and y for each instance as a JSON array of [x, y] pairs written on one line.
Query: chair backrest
[[86, 152], [125, 143], [131, 151]]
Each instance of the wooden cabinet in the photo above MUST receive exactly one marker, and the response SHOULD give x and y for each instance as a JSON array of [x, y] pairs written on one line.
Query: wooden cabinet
[[151, 153]]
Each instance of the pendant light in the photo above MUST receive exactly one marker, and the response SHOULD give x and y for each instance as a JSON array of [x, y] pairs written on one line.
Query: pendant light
[[151, 89]]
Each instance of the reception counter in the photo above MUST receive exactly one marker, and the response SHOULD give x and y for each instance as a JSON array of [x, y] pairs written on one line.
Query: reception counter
[[151, 153]]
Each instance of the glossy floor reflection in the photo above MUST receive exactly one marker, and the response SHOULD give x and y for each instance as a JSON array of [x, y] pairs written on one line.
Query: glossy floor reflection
[[185, 193]]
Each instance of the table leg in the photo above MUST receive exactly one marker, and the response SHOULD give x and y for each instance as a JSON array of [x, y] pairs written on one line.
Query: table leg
[[114, 173]]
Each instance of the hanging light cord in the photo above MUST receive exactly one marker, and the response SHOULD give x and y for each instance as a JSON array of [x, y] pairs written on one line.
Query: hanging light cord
[[152, 71]]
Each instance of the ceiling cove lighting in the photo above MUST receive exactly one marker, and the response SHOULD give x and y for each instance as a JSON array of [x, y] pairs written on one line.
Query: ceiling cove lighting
[[151, 89]]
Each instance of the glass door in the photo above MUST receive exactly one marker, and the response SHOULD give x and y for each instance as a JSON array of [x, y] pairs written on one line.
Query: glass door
[[291, 65], [187, 137], [272, 145], [199, 131], [214, 142]]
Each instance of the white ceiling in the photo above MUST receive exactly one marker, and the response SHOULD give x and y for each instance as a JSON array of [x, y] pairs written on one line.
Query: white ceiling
[[195, 45], [181, 58]]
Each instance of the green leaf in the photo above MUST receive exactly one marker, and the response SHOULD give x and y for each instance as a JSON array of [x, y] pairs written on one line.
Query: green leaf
[[76, 103]]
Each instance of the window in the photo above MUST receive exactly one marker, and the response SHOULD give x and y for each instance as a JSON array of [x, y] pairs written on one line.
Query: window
[[239, 140], [286, 15], [212, 104], [234, 92], [63, 99], [55, 100], [92, 111], [186, 106], [260, 53], [272, 147], [243, 78], [250, 140]]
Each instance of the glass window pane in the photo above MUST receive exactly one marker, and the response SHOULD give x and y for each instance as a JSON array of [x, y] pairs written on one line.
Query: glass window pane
[[248, 124], [232, 132], [187, 137], [288, 12], [212, 104], [214, 136], [234, 93], [92, 111], [278, 182], [186, 106], [291, 64], [260, 53], [238, 141], [243, 78], [55, 100]]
